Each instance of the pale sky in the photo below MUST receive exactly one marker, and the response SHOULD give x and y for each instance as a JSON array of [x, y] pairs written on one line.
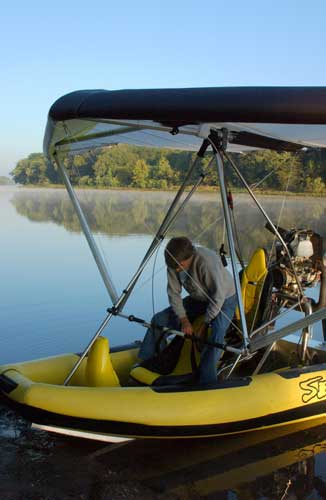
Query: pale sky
[[50, 49]]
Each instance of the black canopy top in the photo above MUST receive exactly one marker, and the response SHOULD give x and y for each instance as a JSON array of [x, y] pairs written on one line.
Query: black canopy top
[[304, 105], [258, 116]]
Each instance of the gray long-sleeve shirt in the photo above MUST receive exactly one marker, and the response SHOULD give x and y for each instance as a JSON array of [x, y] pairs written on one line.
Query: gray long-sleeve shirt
[[206, 280]]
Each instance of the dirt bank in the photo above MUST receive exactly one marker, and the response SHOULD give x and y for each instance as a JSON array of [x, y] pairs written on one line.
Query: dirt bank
[[36, 465]]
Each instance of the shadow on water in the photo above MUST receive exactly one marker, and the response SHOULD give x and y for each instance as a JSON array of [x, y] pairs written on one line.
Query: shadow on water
[[264, 464], [284, 463]]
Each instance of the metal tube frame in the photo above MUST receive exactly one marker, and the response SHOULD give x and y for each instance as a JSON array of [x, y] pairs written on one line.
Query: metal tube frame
[[306, 332], [89, 237], [263, 359], [161, 233], [265, 340], [178, 332], [275, 230], [84, 354], [265, 325], [219, 142], [167, 221], [220, 170], [233, 366]]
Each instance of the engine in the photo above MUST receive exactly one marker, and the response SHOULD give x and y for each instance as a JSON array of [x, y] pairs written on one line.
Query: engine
[[299, 263]]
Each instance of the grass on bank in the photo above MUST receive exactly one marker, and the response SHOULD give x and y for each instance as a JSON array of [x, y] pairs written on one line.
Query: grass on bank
[[201, 189]]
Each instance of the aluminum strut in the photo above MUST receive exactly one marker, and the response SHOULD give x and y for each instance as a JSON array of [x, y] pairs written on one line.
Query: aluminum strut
[[267, 339], [89, 237], [165, 225], [263, 211], [84, 354], [167, 221], [158, 240], [306, 332], [228, 225]]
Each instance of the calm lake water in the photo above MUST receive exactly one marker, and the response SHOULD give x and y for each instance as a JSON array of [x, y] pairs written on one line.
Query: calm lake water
[[52, 295], [52, 300]]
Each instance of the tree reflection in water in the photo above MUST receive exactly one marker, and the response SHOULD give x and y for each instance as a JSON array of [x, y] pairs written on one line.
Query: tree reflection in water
[[135, 212]]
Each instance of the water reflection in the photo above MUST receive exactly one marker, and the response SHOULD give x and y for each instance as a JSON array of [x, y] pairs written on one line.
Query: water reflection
[[125, 213], [287, 463]]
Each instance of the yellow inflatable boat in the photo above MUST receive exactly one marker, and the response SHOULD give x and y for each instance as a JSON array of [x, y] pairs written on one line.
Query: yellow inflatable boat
[[100, 393], [99, 403]]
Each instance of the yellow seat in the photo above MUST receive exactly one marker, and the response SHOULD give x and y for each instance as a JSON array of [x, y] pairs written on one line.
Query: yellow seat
[[183, 365], [99, 369], [252, 282]]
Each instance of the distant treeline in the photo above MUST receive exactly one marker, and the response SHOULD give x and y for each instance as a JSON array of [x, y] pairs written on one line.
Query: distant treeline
[[147, 168], [4, 181]]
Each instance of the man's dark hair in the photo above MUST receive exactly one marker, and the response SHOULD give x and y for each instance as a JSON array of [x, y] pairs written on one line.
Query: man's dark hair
[[178, 249]]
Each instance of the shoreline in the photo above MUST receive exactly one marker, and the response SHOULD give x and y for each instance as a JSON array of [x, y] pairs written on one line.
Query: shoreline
[[204, 190], [43, 466]]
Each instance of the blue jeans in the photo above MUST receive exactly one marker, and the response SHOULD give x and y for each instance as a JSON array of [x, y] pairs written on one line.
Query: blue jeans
[[168, 318], [210, 356]]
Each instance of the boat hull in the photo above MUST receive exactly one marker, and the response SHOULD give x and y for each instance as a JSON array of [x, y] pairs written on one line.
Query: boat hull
[[35, 389]]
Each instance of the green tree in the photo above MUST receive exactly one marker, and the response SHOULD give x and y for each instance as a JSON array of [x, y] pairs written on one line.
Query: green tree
[[140, 174], [125, 165], [31, 170], [315, 185], [85, 180], [103, 171], [162, 175]]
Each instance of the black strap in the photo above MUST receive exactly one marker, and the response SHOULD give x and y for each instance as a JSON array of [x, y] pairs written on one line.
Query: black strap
[[193, 357], [193, 361]]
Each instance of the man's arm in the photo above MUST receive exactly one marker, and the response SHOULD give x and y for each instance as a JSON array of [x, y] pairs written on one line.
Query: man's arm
[[213, 282], [174, 293]]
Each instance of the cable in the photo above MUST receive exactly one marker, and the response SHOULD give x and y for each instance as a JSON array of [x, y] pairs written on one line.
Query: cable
[[153, 275]]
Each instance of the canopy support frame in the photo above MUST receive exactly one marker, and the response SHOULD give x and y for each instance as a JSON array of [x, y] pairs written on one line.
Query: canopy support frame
[[157, 240], [108, 282], [219, 143], [263, 211], [268, 338], [165, 225]]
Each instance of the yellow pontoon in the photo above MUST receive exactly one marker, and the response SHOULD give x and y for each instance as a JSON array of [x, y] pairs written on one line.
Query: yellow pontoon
[[266, 378]]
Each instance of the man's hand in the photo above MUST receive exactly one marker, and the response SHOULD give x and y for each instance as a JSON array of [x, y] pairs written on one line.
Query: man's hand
[[186, 326], [201, 333]]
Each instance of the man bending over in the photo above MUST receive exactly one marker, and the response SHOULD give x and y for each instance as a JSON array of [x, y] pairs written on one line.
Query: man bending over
[[211, 291]]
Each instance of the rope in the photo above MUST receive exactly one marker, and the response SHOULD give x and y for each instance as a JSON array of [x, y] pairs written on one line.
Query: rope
[[153, 276]]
